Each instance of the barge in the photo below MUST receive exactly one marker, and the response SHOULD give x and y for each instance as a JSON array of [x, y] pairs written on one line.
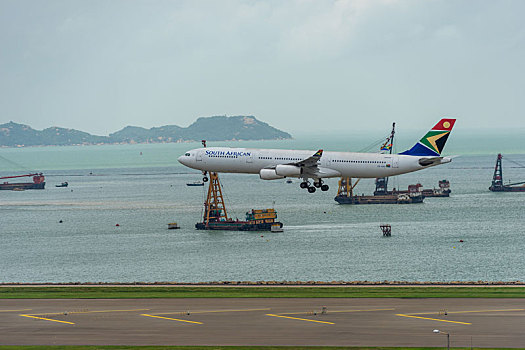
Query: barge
[[345, 195], [256, 220], [216, 218], [345, 192], [39, 183], [443, 189]]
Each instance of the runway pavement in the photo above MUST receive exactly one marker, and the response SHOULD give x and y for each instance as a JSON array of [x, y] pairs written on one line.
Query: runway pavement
[[256, 321]]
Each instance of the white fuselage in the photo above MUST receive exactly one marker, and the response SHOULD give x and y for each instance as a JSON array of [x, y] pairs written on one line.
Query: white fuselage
[[331, 164]]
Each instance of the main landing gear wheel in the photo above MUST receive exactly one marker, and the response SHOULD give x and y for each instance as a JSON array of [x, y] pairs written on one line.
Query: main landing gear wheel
[[311, 189], [325, 188], [318, 184], [304, 184], [205, 179]]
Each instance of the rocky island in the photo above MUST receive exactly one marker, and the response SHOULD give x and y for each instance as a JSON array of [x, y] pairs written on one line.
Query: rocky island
[[216, 128]]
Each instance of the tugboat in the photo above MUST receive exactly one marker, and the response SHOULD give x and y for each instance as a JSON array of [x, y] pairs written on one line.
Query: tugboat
[[442, 191], [173, 226], [195, 183], [39, 182]]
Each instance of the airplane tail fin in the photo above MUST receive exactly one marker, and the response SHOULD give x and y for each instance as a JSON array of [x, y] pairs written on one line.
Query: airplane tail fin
[[433, 142]]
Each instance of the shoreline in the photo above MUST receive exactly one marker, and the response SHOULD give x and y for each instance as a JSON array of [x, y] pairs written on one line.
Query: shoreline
[[272, 284]]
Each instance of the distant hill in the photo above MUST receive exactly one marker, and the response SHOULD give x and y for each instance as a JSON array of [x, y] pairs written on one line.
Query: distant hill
[[218, 128]]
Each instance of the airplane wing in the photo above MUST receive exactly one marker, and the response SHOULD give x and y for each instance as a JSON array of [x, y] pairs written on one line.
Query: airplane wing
[[310, 165], [310, 161]]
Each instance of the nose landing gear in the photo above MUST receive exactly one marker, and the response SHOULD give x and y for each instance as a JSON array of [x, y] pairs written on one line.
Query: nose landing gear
[[204, 176]]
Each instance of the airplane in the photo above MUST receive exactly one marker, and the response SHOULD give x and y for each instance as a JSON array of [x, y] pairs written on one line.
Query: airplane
[[273, 164]]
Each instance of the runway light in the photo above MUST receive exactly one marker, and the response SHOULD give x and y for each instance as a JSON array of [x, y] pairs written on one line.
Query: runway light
[[437, 331]]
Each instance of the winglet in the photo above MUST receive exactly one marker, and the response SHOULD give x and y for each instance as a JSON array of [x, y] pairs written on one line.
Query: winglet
[[433, 142]]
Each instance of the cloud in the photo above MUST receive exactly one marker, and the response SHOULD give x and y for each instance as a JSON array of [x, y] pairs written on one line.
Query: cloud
[[447, 32], [99, 65]]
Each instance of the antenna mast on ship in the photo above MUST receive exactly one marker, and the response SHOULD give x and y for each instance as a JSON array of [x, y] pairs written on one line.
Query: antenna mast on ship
[[346, 188], [382, 182]]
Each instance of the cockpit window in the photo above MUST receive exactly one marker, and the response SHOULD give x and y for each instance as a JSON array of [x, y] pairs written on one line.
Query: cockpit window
[[187, 154]]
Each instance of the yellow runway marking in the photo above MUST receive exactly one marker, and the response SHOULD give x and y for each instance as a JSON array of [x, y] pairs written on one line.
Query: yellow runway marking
[[432, 319], [15, 310], [172, 319], [87, 312], [330, 312], [300, 319], [46, 319], [467, 312], [209, 311]]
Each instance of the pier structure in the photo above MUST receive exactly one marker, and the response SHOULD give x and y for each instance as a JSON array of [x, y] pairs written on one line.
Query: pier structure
[[387, 230]]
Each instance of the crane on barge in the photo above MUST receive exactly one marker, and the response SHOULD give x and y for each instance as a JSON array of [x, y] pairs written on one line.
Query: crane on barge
[[39, 182], [497, 179], [216, 217], [345, 192]]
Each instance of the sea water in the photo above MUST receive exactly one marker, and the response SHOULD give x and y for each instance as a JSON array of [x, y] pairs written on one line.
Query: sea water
[[71, 234]]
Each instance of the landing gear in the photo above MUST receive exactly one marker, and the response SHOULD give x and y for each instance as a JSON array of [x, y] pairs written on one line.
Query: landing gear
[[316, 184], [320, 184], [306, 184], [204, 173]]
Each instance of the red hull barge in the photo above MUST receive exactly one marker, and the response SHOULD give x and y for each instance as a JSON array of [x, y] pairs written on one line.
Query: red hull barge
[[39, 183]]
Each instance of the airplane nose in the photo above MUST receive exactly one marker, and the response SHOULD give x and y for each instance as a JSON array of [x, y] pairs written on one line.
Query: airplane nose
[[181, 160]]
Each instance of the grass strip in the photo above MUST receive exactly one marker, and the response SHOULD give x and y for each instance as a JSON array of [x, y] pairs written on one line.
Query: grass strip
[[257, 292]]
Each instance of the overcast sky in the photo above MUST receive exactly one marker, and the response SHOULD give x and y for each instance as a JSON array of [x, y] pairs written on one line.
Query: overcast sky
[[303, 65]]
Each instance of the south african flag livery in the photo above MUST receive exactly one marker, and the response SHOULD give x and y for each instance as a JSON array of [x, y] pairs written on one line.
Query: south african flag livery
[[433, 142]]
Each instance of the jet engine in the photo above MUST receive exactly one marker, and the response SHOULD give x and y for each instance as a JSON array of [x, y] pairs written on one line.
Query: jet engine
[[269, 174], [288, 170]]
